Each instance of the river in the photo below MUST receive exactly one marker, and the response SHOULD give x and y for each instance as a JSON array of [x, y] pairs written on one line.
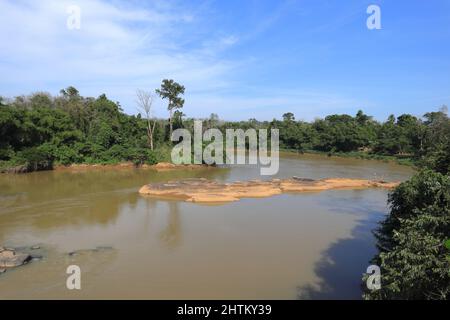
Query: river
[[290, 246]]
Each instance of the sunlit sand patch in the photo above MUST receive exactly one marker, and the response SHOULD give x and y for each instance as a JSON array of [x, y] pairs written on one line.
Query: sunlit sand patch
[[208, 191]]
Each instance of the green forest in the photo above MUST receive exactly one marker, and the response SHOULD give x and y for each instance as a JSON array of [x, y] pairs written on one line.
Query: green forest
[[39, 131]]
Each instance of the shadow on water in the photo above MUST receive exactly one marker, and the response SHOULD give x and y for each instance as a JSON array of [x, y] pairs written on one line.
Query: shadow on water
[[341, 266]]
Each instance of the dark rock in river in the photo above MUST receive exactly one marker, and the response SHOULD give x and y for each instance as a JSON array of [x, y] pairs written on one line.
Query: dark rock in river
[[96, 249]]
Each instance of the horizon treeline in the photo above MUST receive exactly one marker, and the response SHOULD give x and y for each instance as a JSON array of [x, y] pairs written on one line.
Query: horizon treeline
[[39, 130]]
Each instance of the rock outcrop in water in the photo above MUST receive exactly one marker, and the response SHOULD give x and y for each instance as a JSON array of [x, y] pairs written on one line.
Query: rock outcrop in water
[[9, 258], [207, 191]]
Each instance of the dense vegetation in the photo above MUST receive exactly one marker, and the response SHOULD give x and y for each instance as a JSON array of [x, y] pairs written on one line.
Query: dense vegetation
[[406, 136], [407, 139], [414, 261], [40, 130], [413, 240]]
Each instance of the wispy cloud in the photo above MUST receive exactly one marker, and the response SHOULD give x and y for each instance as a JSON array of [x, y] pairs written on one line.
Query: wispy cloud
[[118, 46], [125, 45]]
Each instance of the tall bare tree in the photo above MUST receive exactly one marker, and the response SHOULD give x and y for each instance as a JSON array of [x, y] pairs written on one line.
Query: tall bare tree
[[145, 102]]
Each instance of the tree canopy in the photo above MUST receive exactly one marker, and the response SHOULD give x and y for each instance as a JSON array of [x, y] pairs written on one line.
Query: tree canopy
[[171, 91], [70, 128]]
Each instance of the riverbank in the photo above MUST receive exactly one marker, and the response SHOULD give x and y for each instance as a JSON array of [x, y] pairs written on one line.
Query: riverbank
[[161, 166], [165, 165], [402, 160]]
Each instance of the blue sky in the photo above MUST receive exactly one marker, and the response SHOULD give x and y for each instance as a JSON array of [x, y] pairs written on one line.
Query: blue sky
[[240, 59]]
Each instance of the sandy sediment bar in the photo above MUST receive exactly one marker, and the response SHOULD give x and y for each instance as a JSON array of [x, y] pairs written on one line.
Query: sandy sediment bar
[[208, 191]]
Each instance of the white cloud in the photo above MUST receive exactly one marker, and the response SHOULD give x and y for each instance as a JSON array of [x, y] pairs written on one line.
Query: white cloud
[[118, 46], [122, 46], [229, 41]]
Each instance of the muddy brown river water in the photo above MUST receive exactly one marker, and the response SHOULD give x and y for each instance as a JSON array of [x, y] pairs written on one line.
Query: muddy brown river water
[[301, 246]]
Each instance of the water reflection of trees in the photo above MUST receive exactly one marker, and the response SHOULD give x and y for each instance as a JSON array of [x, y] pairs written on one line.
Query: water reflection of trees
[[55, 199], [342, 265], [169, 233], [170, 236]]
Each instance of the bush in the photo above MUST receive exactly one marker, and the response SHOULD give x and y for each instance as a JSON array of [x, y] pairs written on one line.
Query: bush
[[6, 153], [413, 258], [91, 152], [115, 153], [139, 156], [67, 155], [35, 159]]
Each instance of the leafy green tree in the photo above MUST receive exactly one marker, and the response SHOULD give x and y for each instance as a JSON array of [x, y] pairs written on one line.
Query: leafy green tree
[[41, 100], [35, 159], [361, 118], [213, 120], [289, 116], [178, 119], [435, 152], [340, 133], [413, 259], [171, 91]]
